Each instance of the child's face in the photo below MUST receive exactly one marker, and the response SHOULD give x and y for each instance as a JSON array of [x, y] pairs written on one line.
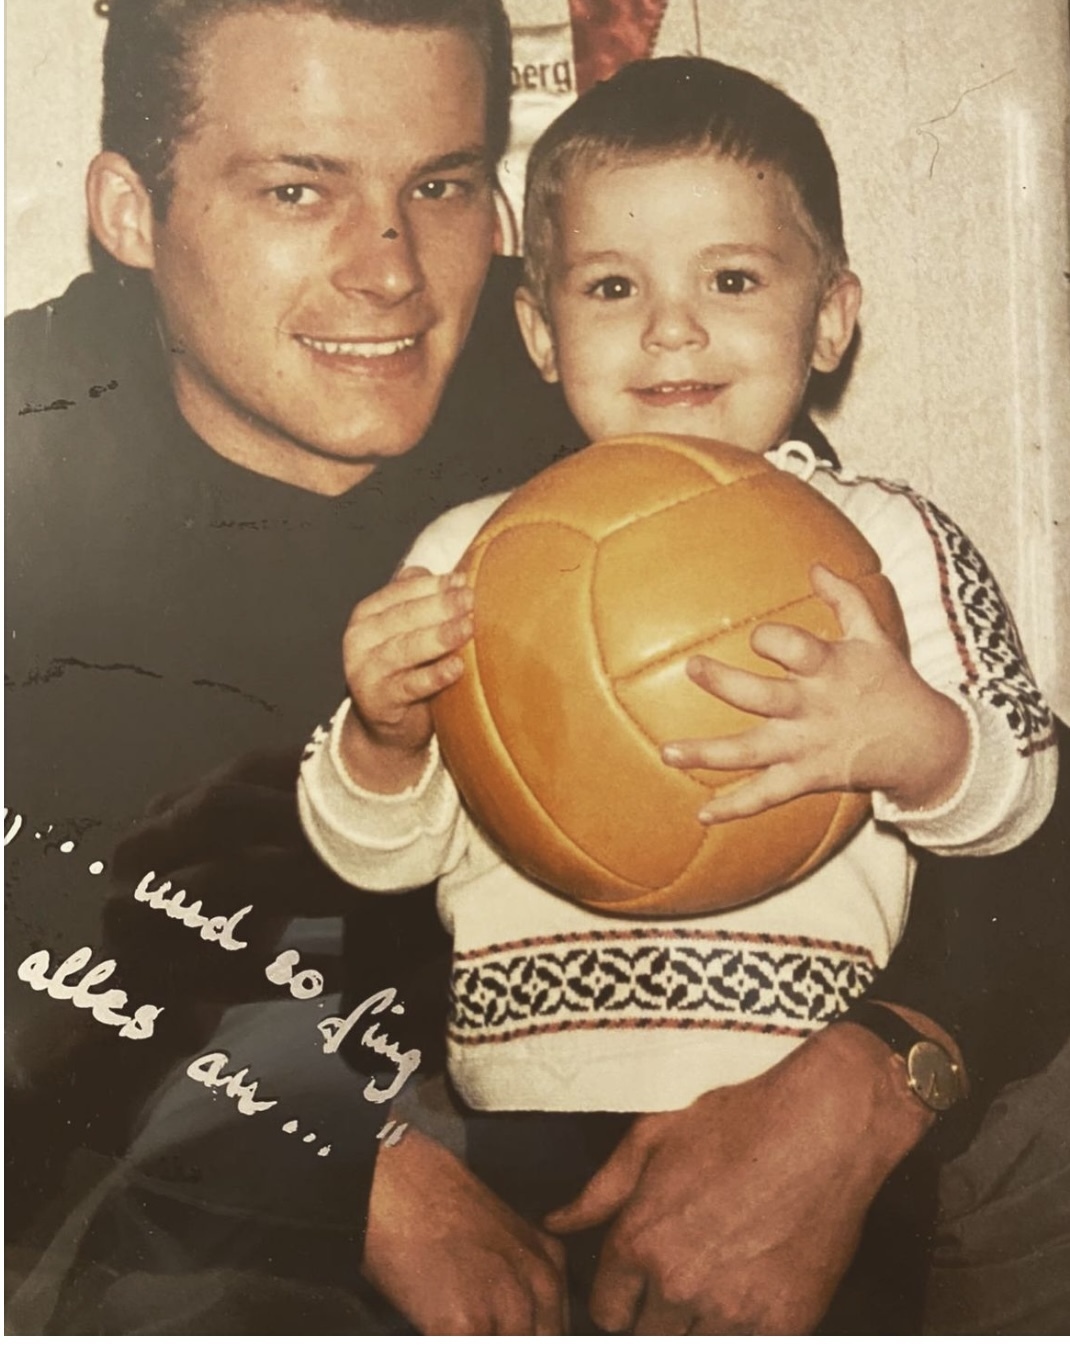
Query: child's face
[[688, 296]]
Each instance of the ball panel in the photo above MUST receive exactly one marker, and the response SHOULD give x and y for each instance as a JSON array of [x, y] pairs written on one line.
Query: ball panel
[[611, 483], [801, 527], [668, 705], [850, 812], [557, 718], [738, 862], [712, 562], [497, 795], [747, 859]]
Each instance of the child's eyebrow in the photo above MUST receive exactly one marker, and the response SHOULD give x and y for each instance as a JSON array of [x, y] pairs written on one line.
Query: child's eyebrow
[[719, 253], [581, 259]]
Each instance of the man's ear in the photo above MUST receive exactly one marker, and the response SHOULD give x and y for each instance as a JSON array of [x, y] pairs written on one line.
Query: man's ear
[[536, 333], [120, 210], [836, 321]]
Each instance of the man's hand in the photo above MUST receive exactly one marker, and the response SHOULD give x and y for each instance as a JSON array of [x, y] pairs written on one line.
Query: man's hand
[[740, 1213], [451, 1257], [400, 649], [851, 714]]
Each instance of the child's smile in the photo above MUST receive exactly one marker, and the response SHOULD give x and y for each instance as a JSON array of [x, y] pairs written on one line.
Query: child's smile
[[679, 393]]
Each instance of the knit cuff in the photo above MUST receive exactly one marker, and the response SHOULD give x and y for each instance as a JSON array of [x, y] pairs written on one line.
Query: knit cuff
[[378, 841], [977, 811]]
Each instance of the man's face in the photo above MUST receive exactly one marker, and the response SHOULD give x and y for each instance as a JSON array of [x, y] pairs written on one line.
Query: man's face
[[687, 296], [328, 235]]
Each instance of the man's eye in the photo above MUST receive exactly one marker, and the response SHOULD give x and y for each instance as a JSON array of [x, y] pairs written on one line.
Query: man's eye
[[612, 287], [295, 194], [441, 189], [734, 282]]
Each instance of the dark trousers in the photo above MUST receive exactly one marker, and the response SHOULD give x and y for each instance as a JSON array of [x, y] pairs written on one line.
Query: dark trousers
[[539, 1162]]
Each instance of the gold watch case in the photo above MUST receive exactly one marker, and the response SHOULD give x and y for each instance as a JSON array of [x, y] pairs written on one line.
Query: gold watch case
[[933, 1076]]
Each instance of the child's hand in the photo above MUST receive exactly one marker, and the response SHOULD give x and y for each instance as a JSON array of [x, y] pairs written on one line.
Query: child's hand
[[850, 714], [399, 649]]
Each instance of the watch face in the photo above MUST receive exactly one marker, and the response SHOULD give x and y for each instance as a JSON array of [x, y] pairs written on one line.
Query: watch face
[[934, 1076]]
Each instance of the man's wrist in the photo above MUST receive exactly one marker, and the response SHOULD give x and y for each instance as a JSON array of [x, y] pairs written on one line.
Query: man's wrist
[[889, 1118], [932, 1064]]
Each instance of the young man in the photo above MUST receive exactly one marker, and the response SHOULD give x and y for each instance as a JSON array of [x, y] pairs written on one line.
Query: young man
[[241, 429], [208, 454]]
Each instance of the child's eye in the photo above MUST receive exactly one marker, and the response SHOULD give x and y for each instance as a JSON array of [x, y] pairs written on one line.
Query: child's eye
[[612, 287], [734, 282], [295, 194]]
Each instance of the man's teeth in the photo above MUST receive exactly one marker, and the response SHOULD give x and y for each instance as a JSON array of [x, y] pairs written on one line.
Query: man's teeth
[[367, 350]]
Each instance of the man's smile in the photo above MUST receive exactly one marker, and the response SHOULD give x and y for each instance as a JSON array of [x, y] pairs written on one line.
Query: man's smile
[[365, 350]]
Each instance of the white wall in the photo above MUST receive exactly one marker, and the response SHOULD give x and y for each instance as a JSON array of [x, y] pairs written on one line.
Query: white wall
[[52, 108], [949, 123]]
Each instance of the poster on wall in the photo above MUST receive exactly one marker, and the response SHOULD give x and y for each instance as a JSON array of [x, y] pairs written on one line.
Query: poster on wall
[[304, 1033], [561, 48]]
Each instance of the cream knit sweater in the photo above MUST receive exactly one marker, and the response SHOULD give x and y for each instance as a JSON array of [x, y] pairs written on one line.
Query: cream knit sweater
[[557, 1008]]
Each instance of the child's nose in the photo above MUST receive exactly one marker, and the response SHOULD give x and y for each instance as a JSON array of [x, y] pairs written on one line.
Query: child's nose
[[672, 324]]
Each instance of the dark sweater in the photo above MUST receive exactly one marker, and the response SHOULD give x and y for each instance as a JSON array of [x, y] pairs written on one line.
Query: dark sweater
[[169, 611]]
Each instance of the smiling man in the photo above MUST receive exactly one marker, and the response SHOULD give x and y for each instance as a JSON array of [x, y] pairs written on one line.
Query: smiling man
[[317, 241], [256, 400], [295, 351]]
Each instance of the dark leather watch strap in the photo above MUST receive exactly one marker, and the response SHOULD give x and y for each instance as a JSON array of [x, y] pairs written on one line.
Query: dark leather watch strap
[[884, 1023]]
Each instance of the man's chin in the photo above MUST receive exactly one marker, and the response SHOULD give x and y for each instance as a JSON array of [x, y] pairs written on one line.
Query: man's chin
[[359, 453]]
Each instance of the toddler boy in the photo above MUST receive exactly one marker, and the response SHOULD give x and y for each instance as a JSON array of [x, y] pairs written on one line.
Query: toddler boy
[[686, 273]]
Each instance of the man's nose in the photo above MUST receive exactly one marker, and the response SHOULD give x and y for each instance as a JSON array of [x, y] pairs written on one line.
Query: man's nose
[[376, 257], [672, 323]]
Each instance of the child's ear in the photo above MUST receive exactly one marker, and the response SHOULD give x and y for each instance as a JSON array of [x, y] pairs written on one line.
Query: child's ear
[[836, 321], [120, 210], [536, 333]]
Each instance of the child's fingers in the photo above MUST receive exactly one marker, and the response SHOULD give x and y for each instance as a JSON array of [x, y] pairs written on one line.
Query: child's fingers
[[797, 651], [375, 632], [420, 684], [413, 584], [849, 603], [413, 649], [738, 752], [778, 784], [767, 696]]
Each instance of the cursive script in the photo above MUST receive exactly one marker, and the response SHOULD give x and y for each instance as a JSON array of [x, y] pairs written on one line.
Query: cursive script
[[335, 1030], [214, 929], [208, 1069], [105, 1005]]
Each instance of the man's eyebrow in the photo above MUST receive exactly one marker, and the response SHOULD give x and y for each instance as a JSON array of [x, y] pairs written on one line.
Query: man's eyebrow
[[308, 163], [471, 156]]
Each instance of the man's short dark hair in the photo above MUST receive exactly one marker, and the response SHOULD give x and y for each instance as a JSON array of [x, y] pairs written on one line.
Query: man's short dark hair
[[672, 106], [150, 66]]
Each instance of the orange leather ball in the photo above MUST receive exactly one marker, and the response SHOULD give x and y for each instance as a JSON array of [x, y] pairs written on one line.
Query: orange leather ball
[[594, 584]]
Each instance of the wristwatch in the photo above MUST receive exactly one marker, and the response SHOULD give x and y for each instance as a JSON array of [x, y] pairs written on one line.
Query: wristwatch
[[933, 1075]]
